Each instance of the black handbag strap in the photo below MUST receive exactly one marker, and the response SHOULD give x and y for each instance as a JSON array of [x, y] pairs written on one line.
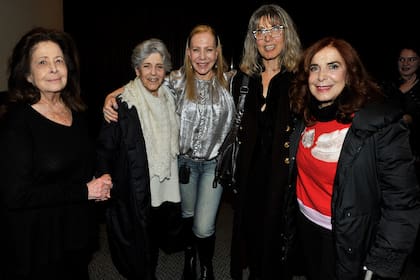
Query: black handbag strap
[[225, 161], [244, 88], [241, 101]]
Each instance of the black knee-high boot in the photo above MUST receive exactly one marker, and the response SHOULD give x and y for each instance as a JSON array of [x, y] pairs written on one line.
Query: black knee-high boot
[[205, 247], [190, 258]]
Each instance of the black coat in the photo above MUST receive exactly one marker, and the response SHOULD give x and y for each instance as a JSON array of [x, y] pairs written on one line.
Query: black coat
[[121, 151], [375, 203], [262, 175]]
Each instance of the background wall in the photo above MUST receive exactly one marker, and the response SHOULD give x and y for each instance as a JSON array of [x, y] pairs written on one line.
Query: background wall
[[17, 17], [107, 31], [107, 34]]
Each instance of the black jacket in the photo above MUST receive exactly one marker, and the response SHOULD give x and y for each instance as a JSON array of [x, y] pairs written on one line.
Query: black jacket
[[375, 203], [121, 151], [262, 175]]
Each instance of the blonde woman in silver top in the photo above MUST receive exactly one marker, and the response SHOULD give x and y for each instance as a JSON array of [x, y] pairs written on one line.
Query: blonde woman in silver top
[[206, 110]]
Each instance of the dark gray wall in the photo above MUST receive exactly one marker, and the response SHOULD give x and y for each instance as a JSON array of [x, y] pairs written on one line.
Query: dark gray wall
[[17, 17]]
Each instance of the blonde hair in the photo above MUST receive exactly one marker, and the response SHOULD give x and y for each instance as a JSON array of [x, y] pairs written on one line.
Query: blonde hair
[[219, 67]]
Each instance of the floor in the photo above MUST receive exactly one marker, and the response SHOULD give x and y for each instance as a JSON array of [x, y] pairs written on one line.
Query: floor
[[170, 266]]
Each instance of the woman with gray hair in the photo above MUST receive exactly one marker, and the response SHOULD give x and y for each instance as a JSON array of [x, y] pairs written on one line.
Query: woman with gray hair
[[206, 110], [140, 151]]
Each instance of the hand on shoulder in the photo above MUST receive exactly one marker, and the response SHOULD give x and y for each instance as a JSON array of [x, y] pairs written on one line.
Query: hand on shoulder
[[110, 106]]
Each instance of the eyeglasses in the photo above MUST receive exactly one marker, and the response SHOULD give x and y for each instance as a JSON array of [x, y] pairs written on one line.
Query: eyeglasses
[[274, 31], [408, 59]]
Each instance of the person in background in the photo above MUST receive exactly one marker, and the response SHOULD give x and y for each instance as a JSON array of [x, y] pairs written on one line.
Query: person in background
[[270, 56], [353, 170], [206, 110], [47, 192], [405, 90], [140, 152]]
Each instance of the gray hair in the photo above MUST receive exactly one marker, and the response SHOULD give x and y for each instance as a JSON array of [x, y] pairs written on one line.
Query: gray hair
[[148, 47]]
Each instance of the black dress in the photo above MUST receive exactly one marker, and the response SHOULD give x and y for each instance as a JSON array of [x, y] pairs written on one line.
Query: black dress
[[47, 220]]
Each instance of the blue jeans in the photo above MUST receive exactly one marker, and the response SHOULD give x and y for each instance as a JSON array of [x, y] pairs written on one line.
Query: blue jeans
[[198, 198]]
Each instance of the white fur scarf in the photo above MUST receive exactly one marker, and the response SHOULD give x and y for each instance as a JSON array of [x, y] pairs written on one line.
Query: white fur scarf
[[160, 125]]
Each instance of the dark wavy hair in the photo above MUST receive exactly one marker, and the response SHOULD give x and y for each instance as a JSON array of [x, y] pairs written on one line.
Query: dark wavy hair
[[19, 67], [360, 85]]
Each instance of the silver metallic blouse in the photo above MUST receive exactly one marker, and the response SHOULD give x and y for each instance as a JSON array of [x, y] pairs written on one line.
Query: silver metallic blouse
[[205, 121]]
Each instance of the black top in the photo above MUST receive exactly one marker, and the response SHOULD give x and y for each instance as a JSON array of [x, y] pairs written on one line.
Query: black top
[[44, 169], [410, 104]]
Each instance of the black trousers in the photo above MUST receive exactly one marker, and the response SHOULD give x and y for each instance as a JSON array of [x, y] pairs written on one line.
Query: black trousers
[[317, 250]]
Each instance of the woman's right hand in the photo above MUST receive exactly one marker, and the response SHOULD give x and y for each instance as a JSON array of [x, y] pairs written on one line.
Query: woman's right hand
[[99, 189], [111, 106]]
